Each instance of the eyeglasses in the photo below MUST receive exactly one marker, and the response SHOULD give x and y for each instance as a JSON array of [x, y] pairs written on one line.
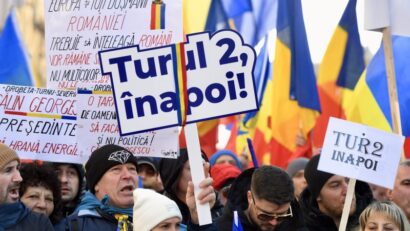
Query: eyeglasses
[[268, 217]]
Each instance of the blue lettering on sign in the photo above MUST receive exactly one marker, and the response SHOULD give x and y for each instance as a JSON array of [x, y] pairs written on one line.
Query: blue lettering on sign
[[162, 61], [214, 93]]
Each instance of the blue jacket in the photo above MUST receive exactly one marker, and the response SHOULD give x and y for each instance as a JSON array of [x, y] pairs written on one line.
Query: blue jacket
[[90, 220], [84, 220]]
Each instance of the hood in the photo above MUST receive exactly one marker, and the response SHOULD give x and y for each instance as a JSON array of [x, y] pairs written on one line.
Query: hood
[[169, 169]]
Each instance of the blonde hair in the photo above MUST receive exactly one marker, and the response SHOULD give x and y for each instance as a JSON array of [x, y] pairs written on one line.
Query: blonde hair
[[387, 208]]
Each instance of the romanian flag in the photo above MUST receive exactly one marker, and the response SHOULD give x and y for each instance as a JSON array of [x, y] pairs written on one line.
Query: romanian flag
[[179, 64], [14, 64], [341, 67], [370, 100], [157, 15], [292, 102], [194, 15]]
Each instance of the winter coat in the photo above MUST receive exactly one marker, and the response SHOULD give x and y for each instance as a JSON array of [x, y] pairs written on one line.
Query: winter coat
[[315, 220], [23, 219], [237, 200], [86, 219]]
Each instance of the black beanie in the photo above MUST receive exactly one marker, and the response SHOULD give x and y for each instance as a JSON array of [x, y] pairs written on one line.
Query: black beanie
[[103, 159], [314, 177]]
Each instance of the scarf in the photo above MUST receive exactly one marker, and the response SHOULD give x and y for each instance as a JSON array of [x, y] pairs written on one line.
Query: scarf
[[12, 214], [91, 202]]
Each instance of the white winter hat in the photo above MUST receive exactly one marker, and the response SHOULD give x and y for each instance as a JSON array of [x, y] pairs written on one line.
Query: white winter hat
[[151, 208]]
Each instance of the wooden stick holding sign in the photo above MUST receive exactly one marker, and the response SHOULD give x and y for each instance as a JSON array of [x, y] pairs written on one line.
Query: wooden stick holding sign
[[347, 205], [197, 172], [391, 83]]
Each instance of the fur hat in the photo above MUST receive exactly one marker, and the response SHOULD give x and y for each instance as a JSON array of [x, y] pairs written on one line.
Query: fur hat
[[103, 159], [151, 208], [315, 178], [7, 155]]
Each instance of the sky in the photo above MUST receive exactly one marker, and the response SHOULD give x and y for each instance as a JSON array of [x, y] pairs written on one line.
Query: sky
[[321, 18]]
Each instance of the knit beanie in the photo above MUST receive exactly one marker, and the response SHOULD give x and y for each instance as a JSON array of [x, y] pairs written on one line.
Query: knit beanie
[[296, 165], [221, 173], [314, 177], [151, 208], [103, 159], [7, 155], [225, 152]]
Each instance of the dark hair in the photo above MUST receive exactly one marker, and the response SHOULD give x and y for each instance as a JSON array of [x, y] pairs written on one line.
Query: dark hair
[[35, 175], [272, 184]]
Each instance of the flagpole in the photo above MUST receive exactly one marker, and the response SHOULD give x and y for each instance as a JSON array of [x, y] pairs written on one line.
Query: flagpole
[[391, 82]]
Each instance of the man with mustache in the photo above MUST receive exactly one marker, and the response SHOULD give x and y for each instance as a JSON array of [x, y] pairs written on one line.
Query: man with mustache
[[14, 215]]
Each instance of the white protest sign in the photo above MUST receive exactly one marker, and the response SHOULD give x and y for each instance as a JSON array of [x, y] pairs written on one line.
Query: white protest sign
[[97, 126], [219, 73], [77, 29], [361, 152], [39, 123]]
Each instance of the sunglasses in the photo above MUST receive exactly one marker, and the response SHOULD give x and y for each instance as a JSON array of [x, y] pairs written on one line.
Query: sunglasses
[[268, 217]]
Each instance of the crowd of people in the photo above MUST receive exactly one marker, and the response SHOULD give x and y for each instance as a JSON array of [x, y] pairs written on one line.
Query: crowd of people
[[117, 191]]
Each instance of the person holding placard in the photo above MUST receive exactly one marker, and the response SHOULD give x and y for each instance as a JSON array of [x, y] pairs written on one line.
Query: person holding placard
[[176, 175], [264, 200], [383, 216], [14, 215], [401, 191], [323, 200]]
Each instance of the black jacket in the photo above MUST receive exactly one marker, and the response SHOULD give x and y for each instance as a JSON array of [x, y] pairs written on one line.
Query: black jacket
[[315, 220], [237, 200], [169, 170]]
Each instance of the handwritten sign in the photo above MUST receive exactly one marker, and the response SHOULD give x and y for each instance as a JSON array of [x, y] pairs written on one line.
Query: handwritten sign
[[39, 123], [97, 126], [219, 73], [361, 152], [76, 30]]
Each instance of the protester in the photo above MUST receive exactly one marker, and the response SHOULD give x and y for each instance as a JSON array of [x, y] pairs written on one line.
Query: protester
[[296, 170], [225, 157], [264, 199], [148, 172], [223, 176], [383, 216], [379, 193], [176, 175], [40, 190], [323, 199], [111, 176], [156, 212], [401, 191], [71, 177], [14, 215]]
